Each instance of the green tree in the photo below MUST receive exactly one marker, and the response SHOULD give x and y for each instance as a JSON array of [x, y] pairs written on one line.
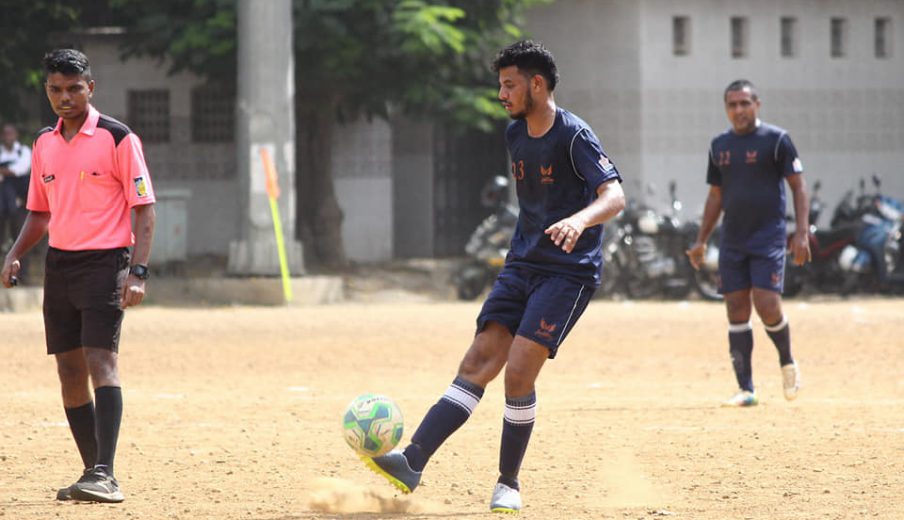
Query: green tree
[[24, 38], [353, 58]]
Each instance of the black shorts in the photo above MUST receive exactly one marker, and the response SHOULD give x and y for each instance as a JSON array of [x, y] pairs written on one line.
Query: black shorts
[[82, 294]]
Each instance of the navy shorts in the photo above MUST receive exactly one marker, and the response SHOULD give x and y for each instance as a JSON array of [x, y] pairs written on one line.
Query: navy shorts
[[539, 307], [742, 268], [82, 294]]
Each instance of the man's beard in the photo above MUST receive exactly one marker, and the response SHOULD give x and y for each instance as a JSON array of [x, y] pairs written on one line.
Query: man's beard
[[528, 106]]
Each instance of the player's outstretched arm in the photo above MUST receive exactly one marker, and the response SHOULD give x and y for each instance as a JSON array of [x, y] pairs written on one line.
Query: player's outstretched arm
[[609, 202], [32, 232], [712, 210]]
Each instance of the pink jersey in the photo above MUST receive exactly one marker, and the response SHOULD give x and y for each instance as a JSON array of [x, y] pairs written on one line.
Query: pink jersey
[[90, 183]]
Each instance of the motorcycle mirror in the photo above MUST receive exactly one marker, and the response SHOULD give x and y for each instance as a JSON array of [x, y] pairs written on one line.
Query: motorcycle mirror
[[877, 181], [672, 187], [816, 186]]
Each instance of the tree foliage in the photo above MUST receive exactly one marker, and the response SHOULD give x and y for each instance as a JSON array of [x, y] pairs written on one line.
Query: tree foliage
[[357, 56], [24, 31]]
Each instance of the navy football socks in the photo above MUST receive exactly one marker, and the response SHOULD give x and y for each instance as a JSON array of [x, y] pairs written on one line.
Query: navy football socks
[[740, 345], [441, 421], [780, 334], [517, 425]]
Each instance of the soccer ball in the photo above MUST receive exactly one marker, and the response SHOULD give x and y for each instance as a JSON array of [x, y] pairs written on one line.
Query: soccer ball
[[372, 425]]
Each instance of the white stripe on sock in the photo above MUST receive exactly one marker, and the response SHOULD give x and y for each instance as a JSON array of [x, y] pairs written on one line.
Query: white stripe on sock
[[739, 327], [521, 414], [779, 326], [461, 397]]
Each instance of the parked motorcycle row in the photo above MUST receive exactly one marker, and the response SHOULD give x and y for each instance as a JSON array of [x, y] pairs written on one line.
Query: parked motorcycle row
[[644, 250]]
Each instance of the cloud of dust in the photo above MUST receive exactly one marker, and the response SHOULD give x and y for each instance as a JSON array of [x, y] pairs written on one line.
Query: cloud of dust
[[626, 483], [334, 495]]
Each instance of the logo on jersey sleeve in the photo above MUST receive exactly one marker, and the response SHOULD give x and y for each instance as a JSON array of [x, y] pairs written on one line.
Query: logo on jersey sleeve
[[606, 164], [141, 187], [751, 157], [797, 165], [546, 174]]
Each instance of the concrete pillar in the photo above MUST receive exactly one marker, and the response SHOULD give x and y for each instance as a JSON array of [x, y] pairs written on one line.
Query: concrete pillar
[[265, 113]]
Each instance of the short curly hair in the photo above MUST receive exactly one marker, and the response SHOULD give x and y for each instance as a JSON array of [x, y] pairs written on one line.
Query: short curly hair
[[68, 62], [531, 58]]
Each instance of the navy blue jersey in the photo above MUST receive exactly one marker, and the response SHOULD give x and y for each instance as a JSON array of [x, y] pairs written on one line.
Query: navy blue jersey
[[556, 176], [751, 171]]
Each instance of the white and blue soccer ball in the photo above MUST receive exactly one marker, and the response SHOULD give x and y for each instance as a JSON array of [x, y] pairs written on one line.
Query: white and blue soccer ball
[[372, 425]]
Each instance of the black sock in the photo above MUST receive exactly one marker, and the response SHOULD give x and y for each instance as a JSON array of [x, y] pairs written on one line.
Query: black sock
[[517, 425], [740, 345], [441, 421], [108, 409], [81, 423], [780, 334]]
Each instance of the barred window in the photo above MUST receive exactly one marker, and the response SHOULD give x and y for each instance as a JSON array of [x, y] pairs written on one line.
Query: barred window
[[681, 35], [839, 34], [883, 37], [149, 114], [739, 36], [212, 114], [789, 37]]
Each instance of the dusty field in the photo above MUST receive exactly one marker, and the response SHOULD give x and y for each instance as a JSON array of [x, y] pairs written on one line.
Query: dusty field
[[235, 413]]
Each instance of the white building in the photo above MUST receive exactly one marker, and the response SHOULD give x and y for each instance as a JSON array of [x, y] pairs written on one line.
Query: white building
[[648, 75]]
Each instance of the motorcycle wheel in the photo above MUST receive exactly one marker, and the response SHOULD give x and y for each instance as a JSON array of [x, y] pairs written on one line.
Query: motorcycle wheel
[[610, 279], [794, 279], [470, 283], [707, 284]]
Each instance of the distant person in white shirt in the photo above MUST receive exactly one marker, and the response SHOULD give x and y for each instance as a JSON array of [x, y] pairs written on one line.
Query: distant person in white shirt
[[15, 166]]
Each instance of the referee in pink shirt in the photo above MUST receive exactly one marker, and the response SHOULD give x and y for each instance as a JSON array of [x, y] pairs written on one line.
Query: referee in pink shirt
[[88, 175]]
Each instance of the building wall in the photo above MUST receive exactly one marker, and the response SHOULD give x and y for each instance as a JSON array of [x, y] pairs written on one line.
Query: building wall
[[362, 171], [845, 115], [206, 169], [656, 112], [596, 43]]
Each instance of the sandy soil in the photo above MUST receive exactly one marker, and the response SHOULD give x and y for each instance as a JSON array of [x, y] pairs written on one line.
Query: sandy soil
[[235, 413]]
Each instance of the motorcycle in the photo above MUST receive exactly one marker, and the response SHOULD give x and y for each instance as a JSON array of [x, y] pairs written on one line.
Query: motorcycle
[[489, 243], [874, 260], [825, 272], [647, 254]]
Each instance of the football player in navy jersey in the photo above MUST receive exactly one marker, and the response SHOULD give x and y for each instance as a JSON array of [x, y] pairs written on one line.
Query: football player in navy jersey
[[748, 167], [567, 187]]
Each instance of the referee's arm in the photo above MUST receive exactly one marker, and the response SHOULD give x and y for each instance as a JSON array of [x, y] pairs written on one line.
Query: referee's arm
[[33, 231], [145, 218]]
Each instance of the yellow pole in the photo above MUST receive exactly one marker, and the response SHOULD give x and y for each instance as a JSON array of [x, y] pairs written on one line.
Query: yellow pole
[[273, 194]]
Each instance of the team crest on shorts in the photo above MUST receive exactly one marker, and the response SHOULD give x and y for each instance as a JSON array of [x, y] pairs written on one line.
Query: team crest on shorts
[[141, 187], [546, 329]]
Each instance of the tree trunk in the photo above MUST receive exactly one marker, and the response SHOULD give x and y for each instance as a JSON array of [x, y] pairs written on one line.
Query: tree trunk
[[319, 217]]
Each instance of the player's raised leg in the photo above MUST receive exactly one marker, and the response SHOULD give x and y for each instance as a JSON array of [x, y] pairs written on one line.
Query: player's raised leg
[[481, 364]]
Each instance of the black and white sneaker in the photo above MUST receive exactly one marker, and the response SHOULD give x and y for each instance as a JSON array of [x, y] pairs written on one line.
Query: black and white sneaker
[[64, 494], [97, 486]]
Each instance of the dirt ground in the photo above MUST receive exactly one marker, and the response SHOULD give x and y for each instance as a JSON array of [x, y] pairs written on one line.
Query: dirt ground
[[234, 413]]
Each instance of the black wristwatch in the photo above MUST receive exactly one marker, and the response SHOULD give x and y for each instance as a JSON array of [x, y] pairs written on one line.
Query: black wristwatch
[[140, 271]]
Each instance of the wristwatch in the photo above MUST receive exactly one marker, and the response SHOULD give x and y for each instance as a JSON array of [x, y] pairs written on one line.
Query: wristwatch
[[140, 271]]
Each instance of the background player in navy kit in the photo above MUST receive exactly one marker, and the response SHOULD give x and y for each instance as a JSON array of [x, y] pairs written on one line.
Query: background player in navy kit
[[567, 188], [748, 165]]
